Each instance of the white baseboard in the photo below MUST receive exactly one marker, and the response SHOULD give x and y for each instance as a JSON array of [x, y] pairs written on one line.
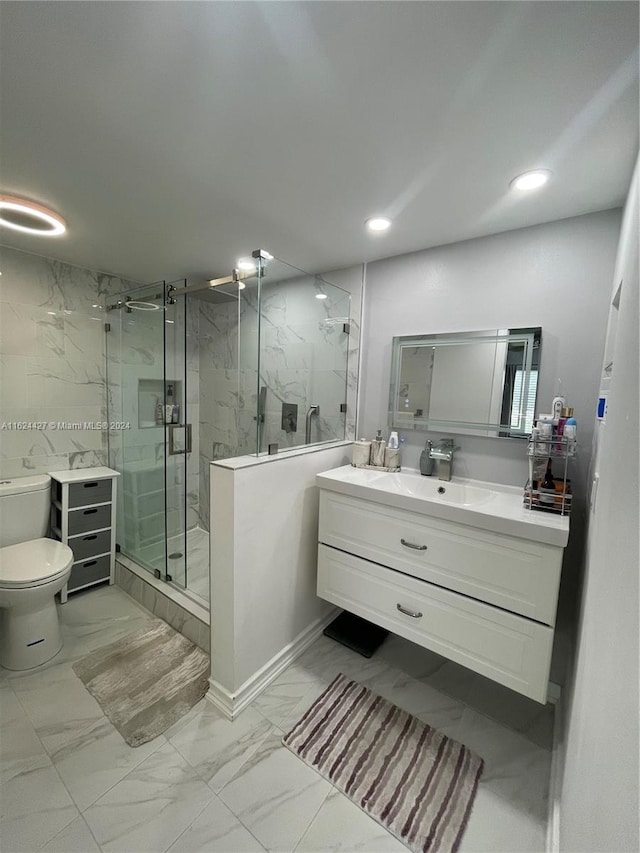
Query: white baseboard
[[231, 704], [555, 780]]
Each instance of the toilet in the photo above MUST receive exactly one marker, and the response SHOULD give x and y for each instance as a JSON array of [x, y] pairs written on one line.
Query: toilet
[[32, 570]]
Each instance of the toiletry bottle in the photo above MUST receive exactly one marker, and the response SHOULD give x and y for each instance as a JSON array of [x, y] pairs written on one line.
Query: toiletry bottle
[[426, 462], [168, 409], [571, 434], [159, 412], [377, 450], [360, 453], [548, 488], [558, 403], [393, 444]]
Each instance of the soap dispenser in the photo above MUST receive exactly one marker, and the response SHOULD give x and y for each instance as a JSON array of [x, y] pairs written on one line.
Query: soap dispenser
[[426, 462], [377, 449]]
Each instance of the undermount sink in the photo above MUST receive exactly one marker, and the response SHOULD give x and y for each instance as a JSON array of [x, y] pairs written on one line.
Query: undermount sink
[[490, 506]]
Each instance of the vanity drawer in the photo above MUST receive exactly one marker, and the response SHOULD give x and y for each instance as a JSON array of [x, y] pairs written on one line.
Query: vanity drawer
[[84, 520], [515, 574], [89, 572], [90, 544], [91, 492], [509, 649]]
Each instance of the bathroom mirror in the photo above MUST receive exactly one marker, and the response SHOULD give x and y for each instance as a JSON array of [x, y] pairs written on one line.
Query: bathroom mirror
[[480, 383]]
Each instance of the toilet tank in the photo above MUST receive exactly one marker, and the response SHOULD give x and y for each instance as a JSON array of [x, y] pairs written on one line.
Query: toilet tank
[[24, 508]]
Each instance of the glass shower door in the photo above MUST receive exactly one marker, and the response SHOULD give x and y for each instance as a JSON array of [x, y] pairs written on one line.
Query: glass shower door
[[147, 388]]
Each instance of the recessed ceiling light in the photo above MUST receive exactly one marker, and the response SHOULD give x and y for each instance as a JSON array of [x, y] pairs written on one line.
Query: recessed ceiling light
[[531, 180], [29, 217], [378, 223], [321, 295], [246, 265]]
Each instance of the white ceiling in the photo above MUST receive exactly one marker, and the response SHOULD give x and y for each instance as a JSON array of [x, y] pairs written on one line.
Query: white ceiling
[[176, 136]]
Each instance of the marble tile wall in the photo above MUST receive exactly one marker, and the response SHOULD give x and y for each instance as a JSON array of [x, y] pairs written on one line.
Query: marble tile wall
[[52, 363], [305, 358]]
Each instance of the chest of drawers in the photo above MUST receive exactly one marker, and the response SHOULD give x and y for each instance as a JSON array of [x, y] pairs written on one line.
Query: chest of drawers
[[83, 516]]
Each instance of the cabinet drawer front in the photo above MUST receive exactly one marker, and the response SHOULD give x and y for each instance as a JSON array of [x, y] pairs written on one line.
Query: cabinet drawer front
[[90, 544], [89, 571], [85, 520], [509, 649], [515, 574], [91, 492]]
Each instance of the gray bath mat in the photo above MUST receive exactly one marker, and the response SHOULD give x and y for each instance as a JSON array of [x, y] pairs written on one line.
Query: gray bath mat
[[415, 781], [146, 681]]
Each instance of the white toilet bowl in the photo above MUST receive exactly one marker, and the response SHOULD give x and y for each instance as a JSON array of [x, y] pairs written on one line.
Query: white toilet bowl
[[31, 573]]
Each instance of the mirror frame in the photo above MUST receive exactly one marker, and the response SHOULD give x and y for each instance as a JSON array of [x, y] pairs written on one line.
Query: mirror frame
[[530, 337]]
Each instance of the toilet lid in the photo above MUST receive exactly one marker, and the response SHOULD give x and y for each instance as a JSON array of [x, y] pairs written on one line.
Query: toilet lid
[[32, 563]]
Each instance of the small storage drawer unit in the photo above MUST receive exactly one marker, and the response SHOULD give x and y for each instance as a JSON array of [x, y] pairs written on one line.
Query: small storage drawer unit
[[486, 600], [83, 516]]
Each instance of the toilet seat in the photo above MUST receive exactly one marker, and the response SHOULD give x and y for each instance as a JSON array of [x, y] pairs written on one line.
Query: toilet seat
[[34, 563]]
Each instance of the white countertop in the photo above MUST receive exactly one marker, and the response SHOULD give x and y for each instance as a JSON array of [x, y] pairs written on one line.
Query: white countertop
[[81, 474], [491, 506]]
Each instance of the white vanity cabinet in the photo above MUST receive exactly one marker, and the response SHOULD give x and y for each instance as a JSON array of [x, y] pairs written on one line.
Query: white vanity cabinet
[[484, 599]]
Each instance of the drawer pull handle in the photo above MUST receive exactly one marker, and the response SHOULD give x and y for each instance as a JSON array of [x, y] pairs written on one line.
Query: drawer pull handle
[[89, 538], [413, 613], [89, 511], [92, 563], [411, 545], [89, 485]]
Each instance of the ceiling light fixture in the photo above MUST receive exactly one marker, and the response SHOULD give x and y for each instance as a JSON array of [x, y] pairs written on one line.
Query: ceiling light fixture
[[18, 214], [321, 295], [378, 224], [246, 265], [531, 180]]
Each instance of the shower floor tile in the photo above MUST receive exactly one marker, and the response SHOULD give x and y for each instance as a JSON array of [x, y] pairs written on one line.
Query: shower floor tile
[[197, 560]]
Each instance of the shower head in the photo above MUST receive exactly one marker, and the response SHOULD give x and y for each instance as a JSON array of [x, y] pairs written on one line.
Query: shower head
[[139, 305]]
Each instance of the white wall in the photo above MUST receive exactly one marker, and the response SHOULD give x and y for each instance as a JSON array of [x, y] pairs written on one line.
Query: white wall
[[264, 541], [599, 793], [556, 276]]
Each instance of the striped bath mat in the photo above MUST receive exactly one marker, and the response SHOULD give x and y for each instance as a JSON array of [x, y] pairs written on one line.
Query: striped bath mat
[[415, 781]]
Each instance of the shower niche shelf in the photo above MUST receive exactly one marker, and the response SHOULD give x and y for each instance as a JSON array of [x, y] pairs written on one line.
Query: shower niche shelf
[[152, 392]]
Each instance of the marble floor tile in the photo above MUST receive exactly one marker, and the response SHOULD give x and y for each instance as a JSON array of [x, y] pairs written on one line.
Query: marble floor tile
[[96, 758], [96, 617], [75, 838], [217, 747], [34, 807], [515, 768], [409, 657], [21, 749], [530, 718], [59, 751], [151, 807], [290, 694], [497, 825], [421, 699], [216, 830], [341, 826], [57, 704], [275, 795]]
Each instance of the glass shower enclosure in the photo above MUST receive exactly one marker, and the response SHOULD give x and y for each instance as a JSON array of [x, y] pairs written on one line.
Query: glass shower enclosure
[[252, 363]]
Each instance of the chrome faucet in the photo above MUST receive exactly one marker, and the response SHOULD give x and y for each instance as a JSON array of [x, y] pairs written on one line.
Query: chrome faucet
[[443, 453]]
